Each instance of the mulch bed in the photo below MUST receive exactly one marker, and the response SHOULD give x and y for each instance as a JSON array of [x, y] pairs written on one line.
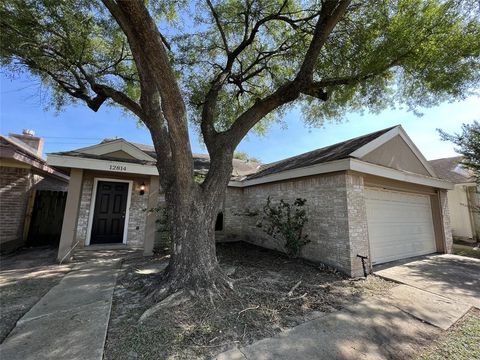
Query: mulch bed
[[272, 293]]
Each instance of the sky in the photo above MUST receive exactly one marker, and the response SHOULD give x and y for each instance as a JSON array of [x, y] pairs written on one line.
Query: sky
[[23, 106]]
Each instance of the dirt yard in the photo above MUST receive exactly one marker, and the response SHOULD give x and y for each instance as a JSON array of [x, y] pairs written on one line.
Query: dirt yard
[[272, 292], [25, 277]]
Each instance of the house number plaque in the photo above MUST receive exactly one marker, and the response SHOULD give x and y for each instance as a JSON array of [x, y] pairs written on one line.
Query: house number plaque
[[116, 167]]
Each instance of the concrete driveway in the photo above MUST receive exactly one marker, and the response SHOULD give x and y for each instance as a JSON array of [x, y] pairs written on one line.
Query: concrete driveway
[[452, 276]]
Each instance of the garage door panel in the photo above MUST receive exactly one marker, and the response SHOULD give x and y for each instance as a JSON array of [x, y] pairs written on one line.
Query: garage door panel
[[399, 224]]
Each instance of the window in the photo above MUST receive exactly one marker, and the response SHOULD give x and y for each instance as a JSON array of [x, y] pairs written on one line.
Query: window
[[219, 222]]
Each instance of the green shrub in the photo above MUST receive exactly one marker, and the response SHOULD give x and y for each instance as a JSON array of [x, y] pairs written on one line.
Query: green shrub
[[285, 221]]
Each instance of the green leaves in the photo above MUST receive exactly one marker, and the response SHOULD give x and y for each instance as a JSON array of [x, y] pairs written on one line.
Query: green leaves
[[69, 45], [468, 145], [381, 54], [286, 221]]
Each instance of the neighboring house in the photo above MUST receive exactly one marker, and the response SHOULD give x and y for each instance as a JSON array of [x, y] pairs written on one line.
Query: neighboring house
[[375, 196], [24, 177], [463, 199]]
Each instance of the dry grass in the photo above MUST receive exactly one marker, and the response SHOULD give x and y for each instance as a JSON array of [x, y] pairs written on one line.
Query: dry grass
[[260, 306], [24, 278], [460, 342]]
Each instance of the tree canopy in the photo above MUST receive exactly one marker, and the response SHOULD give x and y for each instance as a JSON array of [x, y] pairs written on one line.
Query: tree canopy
[[468, 145], [380, 54], [231, 66]]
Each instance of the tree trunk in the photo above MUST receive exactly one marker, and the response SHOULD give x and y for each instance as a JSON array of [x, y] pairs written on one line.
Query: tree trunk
[[193, 264]]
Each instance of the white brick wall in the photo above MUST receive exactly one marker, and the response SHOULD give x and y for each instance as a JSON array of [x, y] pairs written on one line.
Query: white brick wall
[[137, 215]]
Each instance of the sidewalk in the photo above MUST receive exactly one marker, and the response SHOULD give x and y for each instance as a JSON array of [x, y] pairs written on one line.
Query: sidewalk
[[71, 320], [393, 327]]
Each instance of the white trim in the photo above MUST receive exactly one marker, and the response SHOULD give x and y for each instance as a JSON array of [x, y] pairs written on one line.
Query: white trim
[[116, 145], [97, 164], [332, 166], [375, 143], [343, 165], [378, 170], [92, 207], [379, 141]]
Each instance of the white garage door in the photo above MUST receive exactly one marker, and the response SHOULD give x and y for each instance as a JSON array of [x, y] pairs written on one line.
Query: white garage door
[[399, 225]]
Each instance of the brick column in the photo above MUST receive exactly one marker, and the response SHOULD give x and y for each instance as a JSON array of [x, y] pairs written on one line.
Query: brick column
[[70, 216], [150, 223], [357, 224], [445, 214]]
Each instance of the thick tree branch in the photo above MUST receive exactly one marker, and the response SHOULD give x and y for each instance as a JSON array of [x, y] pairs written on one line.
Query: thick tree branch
[[330, 14], [160, 91], [219, 25]]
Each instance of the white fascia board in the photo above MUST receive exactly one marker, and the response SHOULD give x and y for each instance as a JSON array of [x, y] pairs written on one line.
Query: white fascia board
[[375, 143], [116, 145], [115, 166], [382, 139], [333, 166], [382, 171], [347, 164]]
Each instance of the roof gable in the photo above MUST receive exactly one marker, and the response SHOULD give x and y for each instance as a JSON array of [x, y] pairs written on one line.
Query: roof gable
[[396, 150], [334, 152], [118, 148]]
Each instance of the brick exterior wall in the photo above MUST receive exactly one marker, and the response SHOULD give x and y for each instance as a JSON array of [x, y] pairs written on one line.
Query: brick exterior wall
[[137, 215], [357, 224], [233, 222], [330, 199], [15, 185], [447, 230]]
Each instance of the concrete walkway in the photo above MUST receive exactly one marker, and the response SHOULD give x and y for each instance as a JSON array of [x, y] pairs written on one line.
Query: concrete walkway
[[440, 291], [451, 276], [371, 329], [71, 320]]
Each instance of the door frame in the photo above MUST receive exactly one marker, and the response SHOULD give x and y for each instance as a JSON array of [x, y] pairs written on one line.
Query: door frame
[[92, 207]]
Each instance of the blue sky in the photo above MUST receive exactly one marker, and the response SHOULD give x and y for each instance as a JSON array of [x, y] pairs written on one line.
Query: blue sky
[[77, 126]]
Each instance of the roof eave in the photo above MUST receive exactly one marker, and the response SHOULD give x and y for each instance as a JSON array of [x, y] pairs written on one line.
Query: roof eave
[[344, 165]]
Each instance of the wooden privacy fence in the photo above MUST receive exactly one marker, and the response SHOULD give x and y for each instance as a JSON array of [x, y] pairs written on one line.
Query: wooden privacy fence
[[47, 218]]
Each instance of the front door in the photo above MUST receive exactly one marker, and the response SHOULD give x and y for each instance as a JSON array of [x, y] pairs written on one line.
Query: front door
[[109, 213]]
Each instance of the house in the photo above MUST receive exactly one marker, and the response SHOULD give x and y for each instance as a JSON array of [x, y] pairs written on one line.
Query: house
[[375, 196], [25, 182], [463, 199]]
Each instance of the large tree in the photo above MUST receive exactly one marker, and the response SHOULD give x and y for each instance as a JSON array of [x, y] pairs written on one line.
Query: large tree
[[232, 66], [468, 145]]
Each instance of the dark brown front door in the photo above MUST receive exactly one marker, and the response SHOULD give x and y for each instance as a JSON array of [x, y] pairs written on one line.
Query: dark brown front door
[[109, 214]]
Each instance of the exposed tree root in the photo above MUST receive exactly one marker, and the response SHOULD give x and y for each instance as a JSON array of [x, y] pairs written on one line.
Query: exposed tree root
[[172, 300], [177, 290]]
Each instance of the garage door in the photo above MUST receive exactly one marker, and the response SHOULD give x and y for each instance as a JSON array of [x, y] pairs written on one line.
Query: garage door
[[399, 225]]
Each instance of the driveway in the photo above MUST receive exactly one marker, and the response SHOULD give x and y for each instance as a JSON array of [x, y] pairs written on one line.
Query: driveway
[[452, 276]]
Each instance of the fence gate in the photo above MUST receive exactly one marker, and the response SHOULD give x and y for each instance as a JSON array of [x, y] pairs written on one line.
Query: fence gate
[[47, 218]]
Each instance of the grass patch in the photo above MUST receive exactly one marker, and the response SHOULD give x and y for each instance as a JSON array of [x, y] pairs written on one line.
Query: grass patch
[[260, 306], [461, 342], [466, 250]]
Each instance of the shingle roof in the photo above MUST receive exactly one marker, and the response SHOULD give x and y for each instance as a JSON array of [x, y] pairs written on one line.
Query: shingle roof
[[201, 162], [450, 169], [337, 151], [251, 170]]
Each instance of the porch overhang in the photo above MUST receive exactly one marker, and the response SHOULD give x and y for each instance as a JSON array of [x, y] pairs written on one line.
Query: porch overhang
[[114, 166]]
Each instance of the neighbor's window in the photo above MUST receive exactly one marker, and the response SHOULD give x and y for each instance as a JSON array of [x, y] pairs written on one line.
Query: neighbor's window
[[219, 222]]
